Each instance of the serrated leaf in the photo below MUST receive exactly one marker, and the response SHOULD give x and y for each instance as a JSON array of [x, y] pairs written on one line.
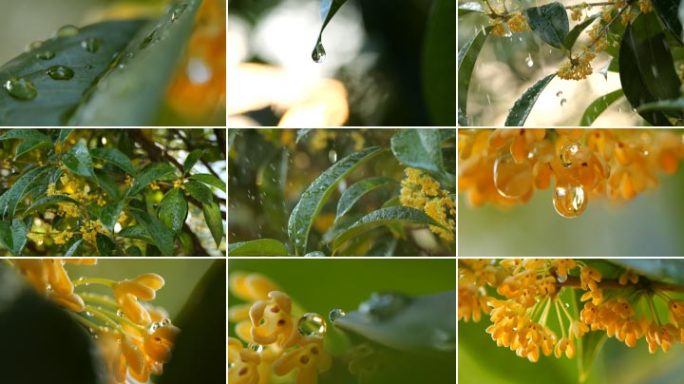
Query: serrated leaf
[[161, 236], [550, 22], [523, 106], [467, 56], [47, 201], [173, 209], [328, 9], [13, 236], [383, 217], [149, 174], [78, 160], [577, 30], [313, 198], [439, 59], [657, 269], [261, 247], [12, 197], [132, 92], [192, 159], [199, 191], [114, 157], [110, 214], [57, 99], [352, 194], [209, 179], [422, 149], [596, 108], [105, 245], [73, 248], [667, 11], [212, 216]]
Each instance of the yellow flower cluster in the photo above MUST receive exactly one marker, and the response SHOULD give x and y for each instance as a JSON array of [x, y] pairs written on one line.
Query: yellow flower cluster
[[520, 294], [420, 191], [506, 166], [504, 22], [90, 228], [278, 342], [135, 339], [577, 68]]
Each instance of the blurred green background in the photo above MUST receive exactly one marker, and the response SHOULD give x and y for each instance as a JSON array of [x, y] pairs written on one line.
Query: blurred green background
[[649, 225]]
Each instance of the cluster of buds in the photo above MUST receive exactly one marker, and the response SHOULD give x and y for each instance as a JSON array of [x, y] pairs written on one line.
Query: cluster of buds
[[506, 166], [277, 342], [420, 191], [520, 294], [135, 339]]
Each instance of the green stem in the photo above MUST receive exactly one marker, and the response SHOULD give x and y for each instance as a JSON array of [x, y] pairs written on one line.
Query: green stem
[[94, 280]]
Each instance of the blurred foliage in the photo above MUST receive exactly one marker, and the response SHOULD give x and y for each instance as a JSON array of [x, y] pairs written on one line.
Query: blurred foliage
[[112, 192]]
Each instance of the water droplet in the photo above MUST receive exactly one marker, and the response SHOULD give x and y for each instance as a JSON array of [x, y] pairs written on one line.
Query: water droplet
[[332, 156], [570, 200], [165, 323], [176, 14], [45, 55], [258, 348], [67, 31], [335, 314], [199, 72], [91, 44], [512, 180], [20, 88], [562, 279], [384, 305], [529, 61], [559, 93], [443, 340], [318, 54], [120, 313], [572, 154], [148, 39], [563, 101], [311, 324], [60, 72], [35, 45]]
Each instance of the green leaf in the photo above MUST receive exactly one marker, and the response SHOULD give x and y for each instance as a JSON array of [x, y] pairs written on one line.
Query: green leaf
[[422, 148], [439, 60], [209, 179], [675, 105], [73, 248], [12, 197], [151, 173], [13, 237], [110, 214], [173, 209], [647, 71], [108, 184], [28, 146], [192, 159], [161, 236], [383, 217], [24, 134], [132, 92], [56, 100], [405, 323], [261, 247], [212, 215], [596, 108], [523, 106], [47, 201], [328, 9], [550, 22], [657, 269], [271, 179], [136, 232], [668, 12], [317, 194], [105, 245], [591, 344], [199, 191], [63, 135], [467, 56], [576, 31], [115, 157], [352, 194], [78, 160]]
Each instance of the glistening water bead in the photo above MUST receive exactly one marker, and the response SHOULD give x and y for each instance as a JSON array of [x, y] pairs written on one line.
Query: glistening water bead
[[20, 88], [67, 31], [91, 44], [45, 55], [511, 179], [311, 324], [336, 314], [318, 54], [60, 72], [570, 200]]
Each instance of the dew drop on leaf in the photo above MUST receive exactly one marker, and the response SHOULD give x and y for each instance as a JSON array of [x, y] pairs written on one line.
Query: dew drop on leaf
[[20, 88], [60, 72], [335, 314], [45, 55], [68, 31], [91, 44], [35, 45], [311, 324], [383, 305]]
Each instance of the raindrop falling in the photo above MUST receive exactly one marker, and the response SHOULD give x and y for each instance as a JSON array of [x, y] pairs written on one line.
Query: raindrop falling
[[318, 54], [335, 314], [91, 44], [529, 61], [20, 88], [512, 180], [45, 55], [311, 324], [67, 31], [60, 72], [570, 200], [559, 93], [332, 156], [563, 102]]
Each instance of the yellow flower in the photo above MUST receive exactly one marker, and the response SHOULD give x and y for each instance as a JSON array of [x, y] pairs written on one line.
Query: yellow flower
[[420, 191], [309, 359], [517, 22], [577, 68]]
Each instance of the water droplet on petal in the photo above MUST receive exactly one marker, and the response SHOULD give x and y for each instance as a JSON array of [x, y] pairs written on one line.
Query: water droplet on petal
[[67, 31], [45, 55], [512, 180], [60, 72], [570, 200], [258, 348], [91, 44], [318, 54], [20, 88], [311, 324], [335, 314]]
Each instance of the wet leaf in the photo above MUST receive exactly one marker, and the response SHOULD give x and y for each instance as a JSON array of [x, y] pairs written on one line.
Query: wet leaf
[[46, 201], [173, 209], [261, 247], [73, 248], [56, 100], [550, 22], [439, 60], [161, 236], [317, 194], [199, 191], [29, 145], [11, 197], [352, 194], [13, 236], [668, 12], [149, 174], [24, 134], [422, 149], [114, 157], [576, 31], [209, 179], [136, 232], [78, 160], [523, 106], [192, 159], [657, 269], [383, 217], [467, 56], [675, 105], [132, 92], [596, 108], [328, 9], [212, 215], [105, 245]]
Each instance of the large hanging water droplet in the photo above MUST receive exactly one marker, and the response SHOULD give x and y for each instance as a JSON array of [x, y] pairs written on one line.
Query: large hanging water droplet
[[68, 31], [384, 305], [91, 44], [311, 324], [512, 180], [570, 200], [572, 154], [45, 55], [20, 88], [335, 314], [318, 54], [60, 72]]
